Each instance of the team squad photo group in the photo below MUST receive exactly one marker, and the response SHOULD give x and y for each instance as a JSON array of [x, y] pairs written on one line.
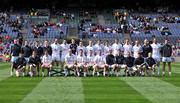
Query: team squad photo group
[[95, 59]]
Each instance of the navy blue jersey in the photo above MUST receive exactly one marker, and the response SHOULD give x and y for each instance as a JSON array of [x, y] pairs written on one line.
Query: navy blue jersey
[[73, 47], [110, 59], [119, 59], [150, 61], [38, 50], [146, 50], [34, 60], [20, 62], [27, 51], [15, 50], [48, 49], [139, 61], [129, 61], [166, 50]]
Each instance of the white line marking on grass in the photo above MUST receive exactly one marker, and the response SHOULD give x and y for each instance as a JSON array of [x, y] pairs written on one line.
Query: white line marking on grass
[[57, 90], [5, 73], [154, 89], [176, 70]]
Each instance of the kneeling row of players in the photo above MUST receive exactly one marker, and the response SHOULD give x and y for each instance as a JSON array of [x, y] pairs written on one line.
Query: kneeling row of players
[[109, 65]]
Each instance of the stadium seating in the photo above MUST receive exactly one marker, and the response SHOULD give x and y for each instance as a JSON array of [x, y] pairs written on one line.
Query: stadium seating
[[174, 29]]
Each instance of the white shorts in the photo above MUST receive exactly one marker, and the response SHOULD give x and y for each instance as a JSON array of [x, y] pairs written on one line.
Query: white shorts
[[14, 58], [27, 59], [56, 58], [89, 65], [157, 58], [129, 68], [132, 68], [80, 65], [139, 66], [122, 65], [70, 65], [166, 59], [101, 65], [110, 66]]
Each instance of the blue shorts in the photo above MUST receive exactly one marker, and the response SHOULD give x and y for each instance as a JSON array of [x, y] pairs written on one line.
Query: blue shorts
[[166, 59], [27, 59], [14, 58]]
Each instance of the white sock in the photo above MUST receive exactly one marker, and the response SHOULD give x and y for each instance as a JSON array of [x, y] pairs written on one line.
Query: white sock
[[11, 73], [23, 74], [65, 72], [117, 74], [78, 74], [84, 74], [163, 73], [142, 73], [97, 73], [93, 73], [49, 73], [30, 73], [104, 73], [43, 74], [169, 73]]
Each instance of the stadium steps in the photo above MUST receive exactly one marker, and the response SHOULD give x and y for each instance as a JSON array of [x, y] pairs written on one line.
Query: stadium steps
[[101, 20], [127, 36], [73, 32]]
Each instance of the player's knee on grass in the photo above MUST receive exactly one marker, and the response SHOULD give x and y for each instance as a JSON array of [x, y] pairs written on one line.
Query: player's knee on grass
[[18, 73], [114, 66], [95, 66], [154, 66]]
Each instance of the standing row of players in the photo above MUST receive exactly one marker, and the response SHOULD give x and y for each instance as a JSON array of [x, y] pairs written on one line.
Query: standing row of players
[[110, 59]]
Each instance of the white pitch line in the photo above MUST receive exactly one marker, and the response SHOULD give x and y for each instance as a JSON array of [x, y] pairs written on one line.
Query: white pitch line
[[154, 89], [5, 73], [57, 90]]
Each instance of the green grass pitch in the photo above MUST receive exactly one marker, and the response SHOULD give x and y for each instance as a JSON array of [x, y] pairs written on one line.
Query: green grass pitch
[[89, 89]]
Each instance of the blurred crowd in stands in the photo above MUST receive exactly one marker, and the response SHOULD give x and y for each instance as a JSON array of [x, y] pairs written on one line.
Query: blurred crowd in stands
[[147, 23], [43, 28]]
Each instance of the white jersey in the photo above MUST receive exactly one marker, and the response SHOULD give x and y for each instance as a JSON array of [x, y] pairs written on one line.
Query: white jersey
[[83, 48], [106, 50], [64, 49], [102, 47], [90, 60], [81, 59], [46, 59], [127, 49], [88, 48], [136, 50], [97, 48], [99, 60], [70, 59], [56, 48], [156, 50], [116, 47]]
